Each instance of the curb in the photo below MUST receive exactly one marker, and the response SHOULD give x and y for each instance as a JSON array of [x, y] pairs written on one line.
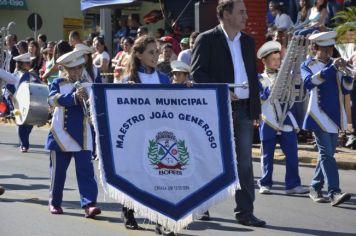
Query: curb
[[279, 156]]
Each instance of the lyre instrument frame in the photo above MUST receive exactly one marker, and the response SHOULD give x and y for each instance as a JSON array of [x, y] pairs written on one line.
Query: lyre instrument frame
[[285, 91]]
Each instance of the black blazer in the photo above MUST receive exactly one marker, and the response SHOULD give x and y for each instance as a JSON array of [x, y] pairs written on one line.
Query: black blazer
[[212, 63]]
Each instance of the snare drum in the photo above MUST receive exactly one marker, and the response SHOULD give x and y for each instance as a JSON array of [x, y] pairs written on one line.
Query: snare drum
[[30, 104]]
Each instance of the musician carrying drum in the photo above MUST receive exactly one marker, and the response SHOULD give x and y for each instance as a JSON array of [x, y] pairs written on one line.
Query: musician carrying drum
[[70, 136], [21, 75]]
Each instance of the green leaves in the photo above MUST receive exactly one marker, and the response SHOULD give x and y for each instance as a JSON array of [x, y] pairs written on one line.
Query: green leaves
[[345, 25], [153, 152], [183, 153]]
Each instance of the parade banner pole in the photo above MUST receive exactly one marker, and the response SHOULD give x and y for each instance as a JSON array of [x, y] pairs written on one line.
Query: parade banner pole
[[165, 151]]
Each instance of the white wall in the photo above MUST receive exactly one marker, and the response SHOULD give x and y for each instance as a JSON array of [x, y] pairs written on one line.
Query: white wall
[[52, 13]]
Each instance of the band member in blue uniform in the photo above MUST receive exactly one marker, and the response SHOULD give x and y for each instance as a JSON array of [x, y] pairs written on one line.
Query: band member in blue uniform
[[326, 113], [272, 130], [70, 136], [141, 69], [21, 74]]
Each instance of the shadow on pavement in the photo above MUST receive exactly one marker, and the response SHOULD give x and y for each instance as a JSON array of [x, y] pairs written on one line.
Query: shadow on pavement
[[307, 231], [205, 225], [21, 176], [25, 187]]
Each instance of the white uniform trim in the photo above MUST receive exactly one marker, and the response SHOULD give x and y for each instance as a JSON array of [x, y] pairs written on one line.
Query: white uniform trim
[[318, 115]]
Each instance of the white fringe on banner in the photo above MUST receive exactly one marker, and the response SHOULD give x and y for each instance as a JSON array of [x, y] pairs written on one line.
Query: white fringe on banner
[[149, 213]]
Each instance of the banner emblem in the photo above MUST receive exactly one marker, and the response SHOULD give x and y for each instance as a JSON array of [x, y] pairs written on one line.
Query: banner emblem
[[166, 152]]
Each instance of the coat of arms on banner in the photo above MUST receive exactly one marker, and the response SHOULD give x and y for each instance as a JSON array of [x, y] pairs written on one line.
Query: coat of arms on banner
[[166, 152]]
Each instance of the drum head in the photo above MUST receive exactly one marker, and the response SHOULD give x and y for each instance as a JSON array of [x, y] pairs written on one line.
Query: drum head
[[30, 103], [21, 101]]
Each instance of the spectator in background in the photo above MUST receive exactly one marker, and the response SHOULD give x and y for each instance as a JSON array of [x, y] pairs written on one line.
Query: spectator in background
[[60, 48], [282, 20], [48, 53], [280, 36], [159, 33], [121, 59], [36, 63], [184, 44], [303, 14], [74, 38], [123, 31], [165, 59], [317, 18], [350, 3], [90, 39], [333, 7], [141, 31], [22, 47], [101, 57], [42, 41], [91, 74], [173, 42], [186, 55], [29, 39], [10, 53], [133, 24]]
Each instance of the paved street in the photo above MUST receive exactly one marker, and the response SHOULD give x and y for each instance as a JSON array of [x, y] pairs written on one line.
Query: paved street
[[24, 206]]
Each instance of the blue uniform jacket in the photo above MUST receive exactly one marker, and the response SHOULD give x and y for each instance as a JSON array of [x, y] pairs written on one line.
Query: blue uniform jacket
[[326, 87], [70, 130]]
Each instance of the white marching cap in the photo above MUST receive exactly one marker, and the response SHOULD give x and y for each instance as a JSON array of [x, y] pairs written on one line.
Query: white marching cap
[[180, 66], [26, 57], [84, 48], [71, 59], [267, 48], [323, 38]]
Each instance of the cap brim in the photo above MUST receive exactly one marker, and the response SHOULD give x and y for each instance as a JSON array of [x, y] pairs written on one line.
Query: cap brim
[[179, 70], [75, 63], [326, 43]]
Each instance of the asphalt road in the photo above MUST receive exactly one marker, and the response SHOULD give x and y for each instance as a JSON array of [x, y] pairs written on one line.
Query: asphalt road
[[24, 206]]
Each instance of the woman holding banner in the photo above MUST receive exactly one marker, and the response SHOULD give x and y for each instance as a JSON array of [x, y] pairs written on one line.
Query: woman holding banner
[[141, 68]]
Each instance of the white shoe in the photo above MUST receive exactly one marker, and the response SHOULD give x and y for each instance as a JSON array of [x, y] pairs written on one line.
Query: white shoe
[[265, 190], [297, 190]]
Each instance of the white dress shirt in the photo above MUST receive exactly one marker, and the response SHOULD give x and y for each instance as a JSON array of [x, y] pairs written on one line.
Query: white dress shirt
[[240, 75]]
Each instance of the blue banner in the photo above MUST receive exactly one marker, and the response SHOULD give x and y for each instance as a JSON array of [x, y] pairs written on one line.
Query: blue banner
[[166, 151], [85, 4]]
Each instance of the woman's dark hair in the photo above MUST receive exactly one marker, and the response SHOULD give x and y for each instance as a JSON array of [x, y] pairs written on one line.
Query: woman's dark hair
[[322, 6], [129, 40], [304, 11], [278, 5], [35, 44], [160, 31], [43, 37], [61, 48], [134, 62], [101, 40], [89, 66]]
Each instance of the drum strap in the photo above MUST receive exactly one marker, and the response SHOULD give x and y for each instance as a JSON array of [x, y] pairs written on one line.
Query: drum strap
[[27, 77]]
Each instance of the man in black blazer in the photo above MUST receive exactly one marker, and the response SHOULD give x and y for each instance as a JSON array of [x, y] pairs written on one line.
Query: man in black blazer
[[224, 54], [12, 52]]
